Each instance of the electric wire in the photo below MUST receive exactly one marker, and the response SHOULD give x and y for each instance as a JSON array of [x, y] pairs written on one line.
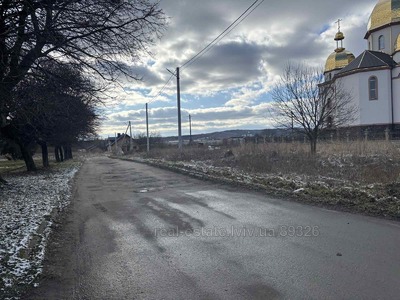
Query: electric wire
[[224, 33], [237, 24], [214, 40], [206, 49], [231, 27], [162, 89]]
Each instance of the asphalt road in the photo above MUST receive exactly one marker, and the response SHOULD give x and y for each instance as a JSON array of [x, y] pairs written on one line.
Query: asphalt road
[[137, 232]]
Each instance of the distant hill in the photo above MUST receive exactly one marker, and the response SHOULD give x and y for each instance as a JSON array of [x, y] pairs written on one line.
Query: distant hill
[[219, 135]]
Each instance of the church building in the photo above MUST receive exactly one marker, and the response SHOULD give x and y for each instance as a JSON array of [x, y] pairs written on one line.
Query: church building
[[373, 78]]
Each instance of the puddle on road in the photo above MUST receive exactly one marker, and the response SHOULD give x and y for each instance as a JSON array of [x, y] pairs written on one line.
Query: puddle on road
[[149, 190]]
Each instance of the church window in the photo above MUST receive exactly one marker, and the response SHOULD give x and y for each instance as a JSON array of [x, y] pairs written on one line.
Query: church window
[[373, 88], [381, 42]]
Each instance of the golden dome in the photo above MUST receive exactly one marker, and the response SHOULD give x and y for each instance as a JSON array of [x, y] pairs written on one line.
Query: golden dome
[[397, 44], [338, 59], [339, 36], [384, 13]]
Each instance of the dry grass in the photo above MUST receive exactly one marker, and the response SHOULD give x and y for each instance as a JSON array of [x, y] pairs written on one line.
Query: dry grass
[[360, 148], [364, 162], [8, 166], [187, 154], [12, 167]]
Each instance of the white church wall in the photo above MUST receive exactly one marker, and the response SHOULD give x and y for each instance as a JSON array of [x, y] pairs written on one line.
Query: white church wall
[[370, 112], [395, 34], [390, 34], [351, 84], [375, 112], [396, 94]]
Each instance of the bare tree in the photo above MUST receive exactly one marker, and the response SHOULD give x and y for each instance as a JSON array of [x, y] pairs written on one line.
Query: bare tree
[[308, 104], [98, 34]]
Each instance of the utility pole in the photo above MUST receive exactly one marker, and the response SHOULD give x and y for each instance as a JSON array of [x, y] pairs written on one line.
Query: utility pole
[[190, 129], [130, 134], [178, 96], [147, 127], [116, 144], [179, 108]]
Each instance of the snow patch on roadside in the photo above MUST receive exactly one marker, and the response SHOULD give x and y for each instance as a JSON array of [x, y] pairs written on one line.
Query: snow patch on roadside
[[27, 207], [377, 199]]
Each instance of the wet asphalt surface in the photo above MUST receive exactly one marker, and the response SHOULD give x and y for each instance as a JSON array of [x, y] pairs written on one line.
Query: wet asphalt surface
[[138, 232]]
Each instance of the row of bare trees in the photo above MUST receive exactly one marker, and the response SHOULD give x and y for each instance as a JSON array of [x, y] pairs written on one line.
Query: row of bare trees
[[97, 37], [52, 105]]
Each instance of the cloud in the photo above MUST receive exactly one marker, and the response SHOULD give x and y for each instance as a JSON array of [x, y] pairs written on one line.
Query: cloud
[[231, 80], [164, 119]]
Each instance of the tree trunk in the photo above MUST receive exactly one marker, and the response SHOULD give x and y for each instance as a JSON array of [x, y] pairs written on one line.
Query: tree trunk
[[27, 156], [4, 98], [45, 154], [57, 154], [313, 145], [68, 152], [3, 117], [61, 153], [64, 149]]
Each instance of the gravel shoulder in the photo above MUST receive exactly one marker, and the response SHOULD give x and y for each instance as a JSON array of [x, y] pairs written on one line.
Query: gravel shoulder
[[379, 200]]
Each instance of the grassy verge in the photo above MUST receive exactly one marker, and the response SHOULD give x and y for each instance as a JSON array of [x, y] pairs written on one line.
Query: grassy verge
[[11, 167], [360, 177], [8, 166]]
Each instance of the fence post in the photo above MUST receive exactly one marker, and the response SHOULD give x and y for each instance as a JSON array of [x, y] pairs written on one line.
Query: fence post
[[366, 135]]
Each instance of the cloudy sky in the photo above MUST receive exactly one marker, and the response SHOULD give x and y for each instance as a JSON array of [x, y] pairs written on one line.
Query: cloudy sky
[[228, 87]]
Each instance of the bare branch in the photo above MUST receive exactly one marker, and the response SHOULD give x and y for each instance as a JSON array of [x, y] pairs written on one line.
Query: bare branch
[[306, 103]]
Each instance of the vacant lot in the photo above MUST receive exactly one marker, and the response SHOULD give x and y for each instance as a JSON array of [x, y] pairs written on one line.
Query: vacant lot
[[361, 176]]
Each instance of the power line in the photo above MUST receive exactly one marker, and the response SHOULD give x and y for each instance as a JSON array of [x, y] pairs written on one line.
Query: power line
[[232, 26], [229, 29], [214, 40], [235, 25], [162, 89]]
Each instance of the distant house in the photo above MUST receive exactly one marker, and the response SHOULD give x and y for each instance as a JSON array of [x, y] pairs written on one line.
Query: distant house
[[236, 140], [121, 143]]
